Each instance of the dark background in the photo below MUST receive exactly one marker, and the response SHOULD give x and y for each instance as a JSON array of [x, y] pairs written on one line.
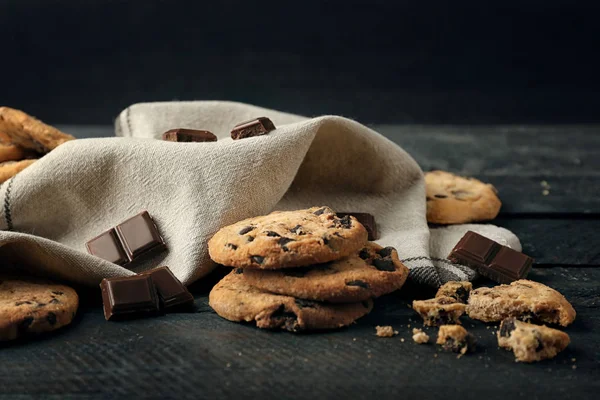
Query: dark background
[[473, 62]]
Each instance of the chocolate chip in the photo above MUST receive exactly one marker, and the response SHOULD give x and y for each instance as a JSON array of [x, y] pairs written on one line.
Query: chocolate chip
[[297, 230], [384, 265], [507, 326], [283, 241], [305, 303], [246, 230], [320, 211], [358, 283], [257, 259], [338, 235], [538, 337], [231, 246], [428, 198], [56, 292], [239, 271], [287, 318], [386, 251], [25, 324], [461, 294], [18, 303], [364, 254], [344, 222], [54, 301], [273, 234], [325, 240], [441, 196], [41, 304], [250, 238], [51, 317]]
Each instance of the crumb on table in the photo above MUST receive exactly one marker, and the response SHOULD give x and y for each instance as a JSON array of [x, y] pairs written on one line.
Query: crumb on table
[[419, 336], [385, 331]]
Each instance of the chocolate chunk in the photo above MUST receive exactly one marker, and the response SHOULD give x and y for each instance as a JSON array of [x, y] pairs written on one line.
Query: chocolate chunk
[[257, 259], [287, 318], [128, 297], [245, 230], [25, 324], [41, 305], [461, 294], [507, 326], [499, 263], [428, 198], [384, 265], [239, 271], [305, 303], [297, 230], [254, 127], [250, 238], [231, 246], [56, 292], [364, 254], [386, 251], [273, 234], [441, 196], [51, 318], [172, 293], [128, 240], [345, 222], [367, 220], [188, 135], [54, 301], [320, 211], [325, 240], [283, 241], [358, 283], [540, 342], [18, 303]]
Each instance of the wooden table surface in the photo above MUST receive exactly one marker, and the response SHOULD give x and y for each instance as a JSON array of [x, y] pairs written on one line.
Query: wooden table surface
[[200, 355]]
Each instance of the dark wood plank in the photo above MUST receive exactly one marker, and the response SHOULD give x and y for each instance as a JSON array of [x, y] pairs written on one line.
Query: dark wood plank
[[557, 241], [204, 356]]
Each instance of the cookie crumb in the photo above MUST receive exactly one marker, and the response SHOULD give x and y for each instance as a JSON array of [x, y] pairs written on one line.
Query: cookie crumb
[[574, 367], [385, 331], [545, 192], [434, 355], [402, 340], [573, 359], [419, 336]]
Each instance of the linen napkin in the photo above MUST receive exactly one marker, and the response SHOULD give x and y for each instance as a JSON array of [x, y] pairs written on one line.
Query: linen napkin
[[82, 188]]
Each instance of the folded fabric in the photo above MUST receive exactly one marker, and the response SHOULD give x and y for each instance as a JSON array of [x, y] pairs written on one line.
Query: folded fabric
[[86, 186]]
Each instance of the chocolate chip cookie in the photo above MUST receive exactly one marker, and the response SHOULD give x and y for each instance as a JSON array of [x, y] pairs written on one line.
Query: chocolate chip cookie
[[452, 199], [523, 299], [287, 239], [30, 133], [234, 299], [31, 307], [458, 290], [439, 311], [531, 342], [371, 273]]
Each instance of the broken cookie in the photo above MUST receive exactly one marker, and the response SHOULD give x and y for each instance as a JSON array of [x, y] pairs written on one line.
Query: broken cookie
[[455, 289], [455, 338], [439, 311], [531, 342]]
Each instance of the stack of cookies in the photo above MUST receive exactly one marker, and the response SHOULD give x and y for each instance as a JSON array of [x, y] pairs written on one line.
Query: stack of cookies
[[24, 139], [301, 270]]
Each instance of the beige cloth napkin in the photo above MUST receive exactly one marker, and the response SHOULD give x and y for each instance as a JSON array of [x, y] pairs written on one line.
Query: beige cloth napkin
[[84, 187]]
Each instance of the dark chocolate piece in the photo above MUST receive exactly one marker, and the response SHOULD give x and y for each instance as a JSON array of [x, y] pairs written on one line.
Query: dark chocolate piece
[[499, 263], [129, 297], [367, 220], [189, 135], [108, 246], [128, 240], [172, 293], [255, 127]]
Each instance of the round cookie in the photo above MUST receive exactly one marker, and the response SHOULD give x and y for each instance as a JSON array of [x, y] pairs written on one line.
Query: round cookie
[[452, 199], [31, 307], [371, 273], [234, 299], [523, 299], [9, 169], [287, 239]]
